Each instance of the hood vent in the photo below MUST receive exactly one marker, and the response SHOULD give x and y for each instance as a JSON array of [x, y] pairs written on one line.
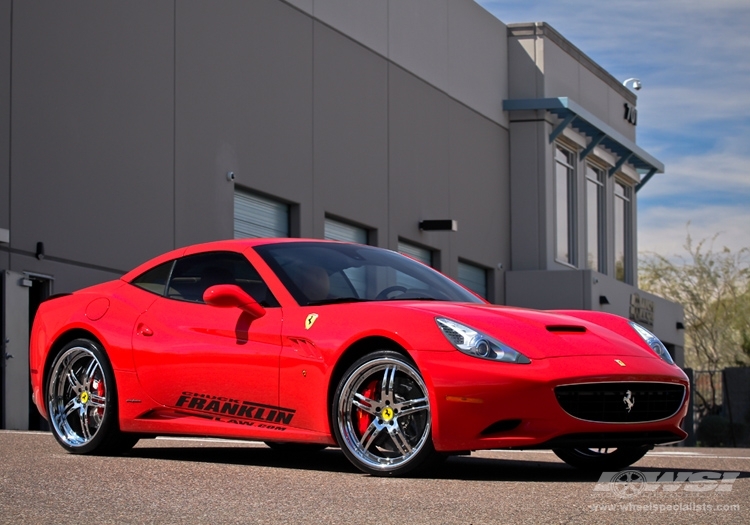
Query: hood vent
[[566, 329]]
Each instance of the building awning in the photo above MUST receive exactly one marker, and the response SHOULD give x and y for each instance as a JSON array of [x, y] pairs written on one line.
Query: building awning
[[599, 133]]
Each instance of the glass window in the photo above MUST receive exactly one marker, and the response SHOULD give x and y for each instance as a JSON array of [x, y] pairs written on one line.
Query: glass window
[[622, 231], [315, 273], [194, 274], [339, 231], [594, 218], [256, 216], [564, 206], [423, 255], [155, 279], [473, 277]]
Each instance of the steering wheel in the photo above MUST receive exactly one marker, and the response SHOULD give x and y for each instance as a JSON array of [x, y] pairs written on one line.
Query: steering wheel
[[383, 295]]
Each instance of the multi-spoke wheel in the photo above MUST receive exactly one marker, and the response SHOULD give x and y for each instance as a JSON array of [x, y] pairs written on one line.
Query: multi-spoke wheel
[[82, 401], [381, 415], [601, 458]]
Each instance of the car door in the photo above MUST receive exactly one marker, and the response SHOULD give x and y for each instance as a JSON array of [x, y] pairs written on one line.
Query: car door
[[193, 356]]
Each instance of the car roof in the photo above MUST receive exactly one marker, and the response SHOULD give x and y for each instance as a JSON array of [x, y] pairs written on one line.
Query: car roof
[[231, 245]]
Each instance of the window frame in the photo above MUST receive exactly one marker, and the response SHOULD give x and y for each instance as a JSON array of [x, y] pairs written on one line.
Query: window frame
[[599, 179], [571, 200], [627, 231]]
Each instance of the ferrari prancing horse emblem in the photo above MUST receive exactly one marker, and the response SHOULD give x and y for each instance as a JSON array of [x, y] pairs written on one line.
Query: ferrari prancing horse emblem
[[629, 400], [310, 321]]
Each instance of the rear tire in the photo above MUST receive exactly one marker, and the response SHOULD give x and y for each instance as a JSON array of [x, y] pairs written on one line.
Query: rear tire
[[81, 398], [601, 459]]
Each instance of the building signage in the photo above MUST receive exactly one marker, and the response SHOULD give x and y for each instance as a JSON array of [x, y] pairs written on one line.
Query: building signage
[[631, 114], [642, 311]]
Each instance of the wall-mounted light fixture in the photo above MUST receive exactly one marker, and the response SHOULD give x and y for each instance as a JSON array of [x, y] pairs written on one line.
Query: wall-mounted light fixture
[[636, 83], [446, 225], [680, 326], [40, 250], [603, 299]]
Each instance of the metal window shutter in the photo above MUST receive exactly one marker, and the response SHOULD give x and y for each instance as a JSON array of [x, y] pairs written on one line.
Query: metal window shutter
[[259, 217], [473, 277], [338, 231], [421, 254]]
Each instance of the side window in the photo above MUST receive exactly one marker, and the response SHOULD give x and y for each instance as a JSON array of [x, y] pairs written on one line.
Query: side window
[[194, 274], [154, 280]]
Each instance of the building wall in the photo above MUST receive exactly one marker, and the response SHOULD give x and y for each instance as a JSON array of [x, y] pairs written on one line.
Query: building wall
[[243, 104], [92, 132], [5, 46], [373, 113]]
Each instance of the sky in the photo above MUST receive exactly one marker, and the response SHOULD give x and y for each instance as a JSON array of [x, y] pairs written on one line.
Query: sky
[[693, 59]]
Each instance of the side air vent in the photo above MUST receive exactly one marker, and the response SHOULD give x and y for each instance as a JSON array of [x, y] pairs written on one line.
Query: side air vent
[[566, 329], [501, 426]]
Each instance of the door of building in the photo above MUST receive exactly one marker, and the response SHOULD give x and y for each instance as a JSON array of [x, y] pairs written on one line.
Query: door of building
[[15, 352], [20, 296]]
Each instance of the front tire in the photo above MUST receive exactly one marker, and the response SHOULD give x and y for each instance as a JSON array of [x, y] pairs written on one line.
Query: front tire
[[82, 401], [601, 459], [381, 416]]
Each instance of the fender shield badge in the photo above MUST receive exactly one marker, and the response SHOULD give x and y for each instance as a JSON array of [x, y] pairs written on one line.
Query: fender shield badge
[[310, 321], [619, 362]]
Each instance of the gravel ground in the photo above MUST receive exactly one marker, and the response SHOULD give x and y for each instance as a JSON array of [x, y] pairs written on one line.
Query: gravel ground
[[215, 481]]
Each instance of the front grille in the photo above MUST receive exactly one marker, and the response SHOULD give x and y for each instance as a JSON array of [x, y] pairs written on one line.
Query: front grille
[[609, 402]]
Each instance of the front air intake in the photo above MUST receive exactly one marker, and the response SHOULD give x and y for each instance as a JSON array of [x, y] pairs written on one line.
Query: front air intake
[[627, 402]]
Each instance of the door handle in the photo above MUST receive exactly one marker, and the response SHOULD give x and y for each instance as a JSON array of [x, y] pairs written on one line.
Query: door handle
[[144, 330]]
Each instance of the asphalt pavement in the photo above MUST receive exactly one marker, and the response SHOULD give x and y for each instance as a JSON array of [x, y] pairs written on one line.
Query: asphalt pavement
[[181, 481]]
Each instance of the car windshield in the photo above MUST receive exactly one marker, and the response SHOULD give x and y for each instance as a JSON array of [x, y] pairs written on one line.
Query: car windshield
[[327, 272]]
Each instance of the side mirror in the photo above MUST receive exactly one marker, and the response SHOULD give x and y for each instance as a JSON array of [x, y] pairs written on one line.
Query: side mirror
[[230, 295]]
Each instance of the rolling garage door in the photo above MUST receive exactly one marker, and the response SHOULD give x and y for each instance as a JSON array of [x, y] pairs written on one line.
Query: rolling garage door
[[256, 216], [339, 231], [473, 277]]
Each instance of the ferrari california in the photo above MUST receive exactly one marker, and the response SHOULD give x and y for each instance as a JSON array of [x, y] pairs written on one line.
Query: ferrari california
[[305, 344]]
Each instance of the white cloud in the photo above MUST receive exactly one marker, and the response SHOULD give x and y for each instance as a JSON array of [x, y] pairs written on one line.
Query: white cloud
[[687, 110], [693, 110], [722, 172], [663, 230]]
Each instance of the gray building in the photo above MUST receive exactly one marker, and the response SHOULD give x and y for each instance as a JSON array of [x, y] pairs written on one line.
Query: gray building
[[131, 128]]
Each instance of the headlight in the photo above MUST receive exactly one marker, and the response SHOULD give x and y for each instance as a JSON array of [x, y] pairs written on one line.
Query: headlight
[[477, 344], [653, 341]]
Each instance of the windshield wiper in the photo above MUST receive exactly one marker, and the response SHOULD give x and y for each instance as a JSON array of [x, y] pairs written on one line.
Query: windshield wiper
[[414, 299], [338, 300]]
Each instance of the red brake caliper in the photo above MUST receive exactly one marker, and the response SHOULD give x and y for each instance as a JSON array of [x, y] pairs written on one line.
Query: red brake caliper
[[363, 418], [99, 388]]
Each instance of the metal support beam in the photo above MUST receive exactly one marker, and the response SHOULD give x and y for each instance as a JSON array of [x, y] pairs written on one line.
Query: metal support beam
[[564, 124], [645, 179], [594, 143], [620, 163]]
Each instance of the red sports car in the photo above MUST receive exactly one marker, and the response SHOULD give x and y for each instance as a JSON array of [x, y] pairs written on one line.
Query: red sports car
[[305, 344]]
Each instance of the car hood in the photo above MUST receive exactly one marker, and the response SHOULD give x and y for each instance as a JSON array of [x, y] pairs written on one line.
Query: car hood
[[539, 334]]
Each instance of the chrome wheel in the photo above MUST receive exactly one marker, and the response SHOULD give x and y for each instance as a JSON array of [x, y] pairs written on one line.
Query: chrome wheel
[[382, 415], [77, 396]]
